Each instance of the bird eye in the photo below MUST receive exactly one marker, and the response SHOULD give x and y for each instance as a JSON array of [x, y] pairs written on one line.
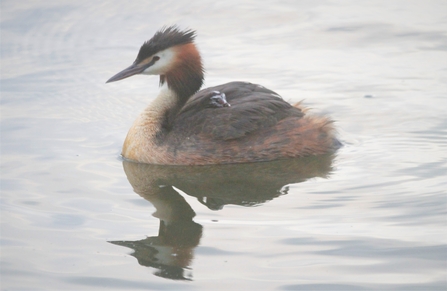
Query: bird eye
[[156, 58]]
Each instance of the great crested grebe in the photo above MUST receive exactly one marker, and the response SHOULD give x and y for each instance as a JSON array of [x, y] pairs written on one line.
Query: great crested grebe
[[236, 122]]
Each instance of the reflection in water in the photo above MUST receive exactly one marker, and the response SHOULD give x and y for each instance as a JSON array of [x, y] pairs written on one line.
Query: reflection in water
[[171, 252]]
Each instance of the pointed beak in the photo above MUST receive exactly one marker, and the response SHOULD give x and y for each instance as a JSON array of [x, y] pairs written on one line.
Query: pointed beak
[[130, 71]]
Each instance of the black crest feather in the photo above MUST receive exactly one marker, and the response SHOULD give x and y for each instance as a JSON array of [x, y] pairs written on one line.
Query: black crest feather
[[165, 38]]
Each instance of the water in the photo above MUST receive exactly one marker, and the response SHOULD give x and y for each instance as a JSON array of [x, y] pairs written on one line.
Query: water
[[74, 216]]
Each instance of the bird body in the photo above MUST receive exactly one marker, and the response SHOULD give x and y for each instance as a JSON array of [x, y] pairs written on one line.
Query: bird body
[[237, 122]]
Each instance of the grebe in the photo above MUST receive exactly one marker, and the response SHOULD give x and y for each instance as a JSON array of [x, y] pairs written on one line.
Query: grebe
[[236, 122]]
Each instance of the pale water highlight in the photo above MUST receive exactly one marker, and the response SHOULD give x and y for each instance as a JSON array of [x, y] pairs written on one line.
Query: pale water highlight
[[75, 216]]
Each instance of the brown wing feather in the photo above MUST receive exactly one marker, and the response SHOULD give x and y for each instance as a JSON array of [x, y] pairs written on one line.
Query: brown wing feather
[[252, 108]]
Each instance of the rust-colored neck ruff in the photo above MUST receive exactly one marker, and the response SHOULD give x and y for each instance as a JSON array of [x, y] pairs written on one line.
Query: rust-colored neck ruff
[[185, 78]]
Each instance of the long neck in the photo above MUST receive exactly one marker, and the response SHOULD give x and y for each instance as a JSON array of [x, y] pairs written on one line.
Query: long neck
[[184, 79], [148, 128], [162, 110]]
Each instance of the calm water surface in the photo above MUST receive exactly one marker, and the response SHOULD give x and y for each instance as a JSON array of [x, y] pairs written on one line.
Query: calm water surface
[[74, 216]]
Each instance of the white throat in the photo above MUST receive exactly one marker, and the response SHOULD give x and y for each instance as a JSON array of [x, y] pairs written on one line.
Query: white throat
[[165, 100]]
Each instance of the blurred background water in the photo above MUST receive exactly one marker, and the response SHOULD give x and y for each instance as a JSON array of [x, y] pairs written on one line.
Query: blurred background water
[[74, 216]]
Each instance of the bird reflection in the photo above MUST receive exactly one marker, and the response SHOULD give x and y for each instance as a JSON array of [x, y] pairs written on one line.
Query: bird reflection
[[171, 252]]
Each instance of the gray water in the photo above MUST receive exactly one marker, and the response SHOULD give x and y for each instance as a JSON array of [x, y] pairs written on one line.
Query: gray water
[[74, 216]]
